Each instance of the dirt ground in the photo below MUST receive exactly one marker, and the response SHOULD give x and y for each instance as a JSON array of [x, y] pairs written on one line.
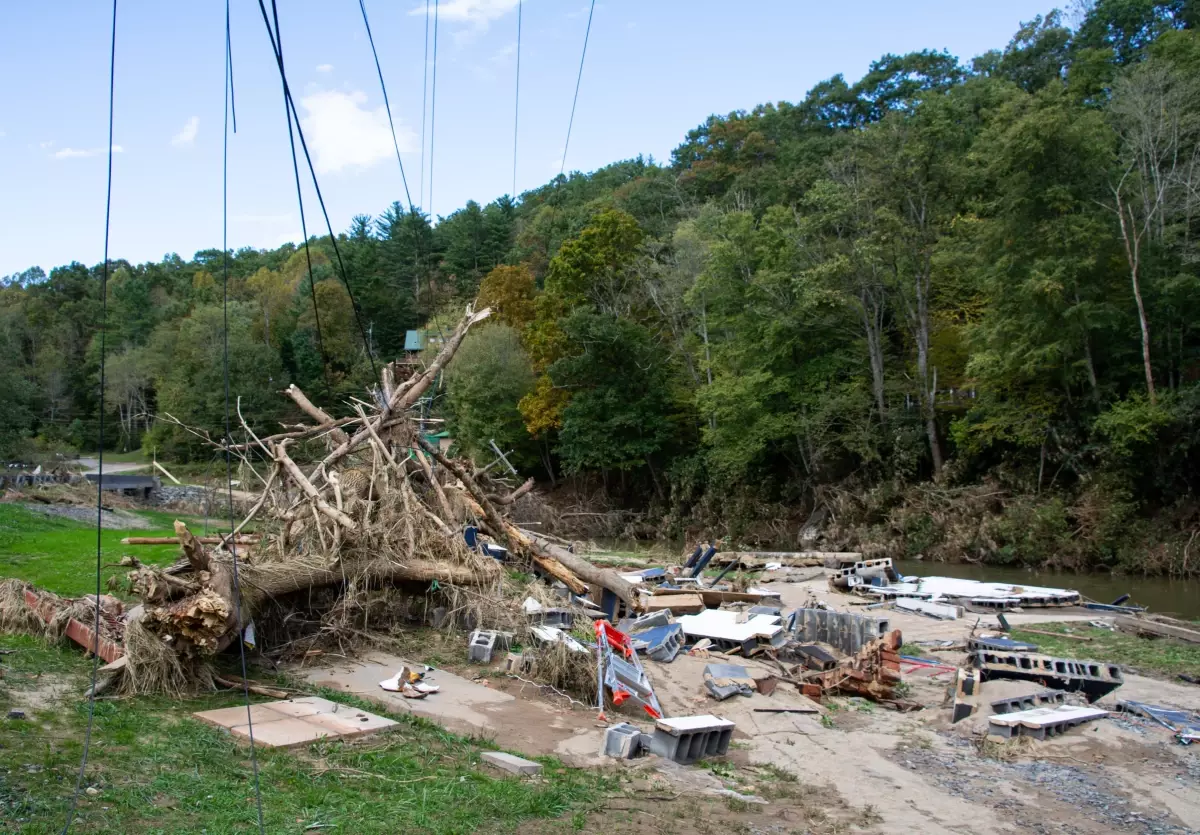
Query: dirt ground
[[856, 766]]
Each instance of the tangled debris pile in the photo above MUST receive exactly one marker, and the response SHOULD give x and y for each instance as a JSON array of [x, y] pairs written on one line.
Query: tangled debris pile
[[366, 535]]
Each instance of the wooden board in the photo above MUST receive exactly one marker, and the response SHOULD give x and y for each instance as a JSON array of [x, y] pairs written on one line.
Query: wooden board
[[679, 604], [713, 599], [1141, 626]]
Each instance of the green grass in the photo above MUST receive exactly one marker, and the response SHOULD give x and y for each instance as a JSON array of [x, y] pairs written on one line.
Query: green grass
[[1146, 655], [157, 770], [60, 554]]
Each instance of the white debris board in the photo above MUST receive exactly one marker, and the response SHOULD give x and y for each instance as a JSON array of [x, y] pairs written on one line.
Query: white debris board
[[723, 625]]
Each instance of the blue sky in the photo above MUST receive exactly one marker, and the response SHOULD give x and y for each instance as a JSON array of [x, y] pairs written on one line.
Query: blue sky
[[655, 69]]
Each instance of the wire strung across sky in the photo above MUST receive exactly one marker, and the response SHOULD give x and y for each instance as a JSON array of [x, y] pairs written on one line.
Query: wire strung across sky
[[87, 738], [312, 283], [272, 35], [433, 107], [387, 105], [587, 34], [230, 109]]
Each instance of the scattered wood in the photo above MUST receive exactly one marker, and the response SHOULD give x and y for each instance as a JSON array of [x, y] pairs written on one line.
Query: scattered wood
[[235, 683], [1143, 626], [1050, 634], [244, 539], [166, 472]]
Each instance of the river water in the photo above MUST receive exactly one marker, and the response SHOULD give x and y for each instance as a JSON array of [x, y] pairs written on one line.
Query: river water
[[1159, 594], [1163, 596]]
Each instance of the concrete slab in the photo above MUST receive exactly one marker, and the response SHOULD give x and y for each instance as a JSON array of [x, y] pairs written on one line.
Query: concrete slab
[[284, 732], [511, 764], [229, 717], [461, 706], [291, 722]]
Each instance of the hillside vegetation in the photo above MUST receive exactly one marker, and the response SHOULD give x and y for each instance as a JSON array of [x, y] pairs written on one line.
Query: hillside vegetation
[[947, 309]]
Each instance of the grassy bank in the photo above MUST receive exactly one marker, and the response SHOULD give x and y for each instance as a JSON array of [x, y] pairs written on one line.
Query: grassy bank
[[1161, 656], [60, 554], [155, 769]]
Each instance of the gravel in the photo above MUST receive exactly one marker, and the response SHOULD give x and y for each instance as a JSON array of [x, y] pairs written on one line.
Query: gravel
[[1088, 793]]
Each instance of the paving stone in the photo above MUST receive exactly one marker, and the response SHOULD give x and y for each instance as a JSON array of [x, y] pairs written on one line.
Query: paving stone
[[285, 732], [292, 722], [511, 764], [230, 717]]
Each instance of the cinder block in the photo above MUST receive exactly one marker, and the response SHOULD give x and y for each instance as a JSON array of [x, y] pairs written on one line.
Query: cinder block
[[689, 738], [511, 764], [1047, 698], [622, 741], [481, 646], [1041, 722]]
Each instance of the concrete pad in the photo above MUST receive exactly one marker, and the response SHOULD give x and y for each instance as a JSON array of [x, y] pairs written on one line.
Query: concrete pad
[[285, 732], [511, 764], [307, 706], [291, 722], [461, 706], [229, 717]]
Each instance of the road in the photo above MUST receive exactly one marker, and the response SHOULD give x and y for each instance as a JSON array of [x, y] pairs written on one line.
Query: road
[[92, 465]]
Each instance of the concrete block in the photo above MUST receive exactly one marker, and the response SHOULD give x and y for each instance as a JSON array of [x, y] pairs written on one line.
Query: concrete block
[[1047, 698], [623, 741], [845, 631], [639, 624], [511, 764], [1041, 722], [1094, 679], [662, 643], [687, 739], [480, 646]]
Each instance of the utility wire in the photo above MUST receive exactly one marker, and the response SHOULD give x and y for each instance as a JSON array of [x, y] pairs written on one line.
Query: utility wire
[[362, 5], [229, 108], [87, 738], [424, 99], [433, 107], [578, 80], [316, 185], [312, 281], [517, 100]]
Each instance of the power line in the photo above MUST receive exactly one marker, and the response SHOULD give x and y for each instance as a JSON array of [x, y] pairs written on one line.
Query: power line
[[433, 107], [424, 99], [578, 80], [229, 108], [316, 185], [87, 739], [387, 105], [517, 99], [312, 281]]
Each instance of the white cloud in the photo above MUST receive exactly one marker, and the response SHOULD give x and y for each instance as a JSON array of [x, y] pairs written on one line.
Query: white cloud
[[473, 16], [324, 67], [475, 12], [71, 153], [345, 134], [49, 143], [188, 135]]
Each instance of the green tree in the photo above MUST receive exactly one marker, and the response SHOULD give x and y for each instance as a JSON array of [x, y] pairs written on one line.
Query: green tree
[[487, 378]]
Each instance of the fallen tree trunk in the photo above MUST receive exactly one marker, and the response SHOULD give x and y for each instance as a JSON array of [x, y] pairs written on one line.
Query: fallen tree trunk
[[205, 621], [603, 577], [174, 540]]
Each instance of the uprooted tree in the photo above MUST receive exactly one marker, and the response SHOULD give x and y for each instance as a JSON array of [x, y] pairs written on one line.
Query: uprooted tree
[[381, 508]]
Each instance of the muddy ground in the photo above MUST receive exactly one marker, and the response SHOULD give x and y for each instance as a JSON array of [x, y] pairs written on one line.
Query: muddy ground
[[855, 766]]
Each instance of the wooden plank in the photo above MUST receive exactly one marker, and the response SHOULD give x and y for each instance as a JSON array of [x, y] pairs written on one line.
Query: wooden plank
[[1140, 626], [679, 604], [1050, 634]]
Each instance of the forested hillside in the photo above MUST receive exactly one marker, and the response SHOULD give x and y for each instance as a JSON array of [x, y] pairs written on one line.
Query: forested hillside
[[948, 309]]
